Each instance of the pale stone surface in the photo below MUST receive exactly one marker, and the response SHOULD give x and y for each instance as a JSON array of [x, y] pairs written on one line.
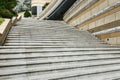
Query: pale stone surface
[[92, 25], [103, 5], [110, 18], [118, 15], [50, 9], [100, 22], [112, 41], [4, 25], [40, 2], [52, 50], [112, 1], [118, 40]]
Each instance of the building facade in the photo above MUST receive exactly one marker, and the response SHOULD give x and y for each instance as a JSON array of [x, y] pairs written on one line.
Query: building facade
[[37, 6], [100, 17]]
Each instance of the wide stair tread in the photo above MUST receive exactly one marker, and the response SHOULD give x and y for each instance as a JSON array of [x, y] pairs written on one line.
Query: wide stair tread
[[53, 50]]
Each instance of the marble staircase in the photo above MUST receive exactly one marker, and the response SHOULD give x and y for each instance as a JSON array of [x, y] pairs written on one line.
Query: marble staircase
[[53, 50]]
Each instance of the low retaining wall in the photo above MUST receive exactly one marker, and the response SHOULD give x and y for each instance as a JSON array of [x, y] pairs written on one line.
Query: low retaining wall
[[19, 17], [14, 21], [4, 29]]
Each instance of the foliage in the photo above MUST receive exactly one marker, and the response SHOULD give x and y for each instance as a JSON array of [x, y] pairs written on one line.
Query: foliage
[[23, 6], [27, 3], [5, 13], [1, 20], [27, 14], [6, 8], [14, 13], [8, 4]]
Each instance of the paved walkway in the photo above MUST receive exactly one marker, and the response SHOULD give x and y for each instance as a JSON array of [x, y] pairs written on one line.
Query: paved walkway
[[52, 50]]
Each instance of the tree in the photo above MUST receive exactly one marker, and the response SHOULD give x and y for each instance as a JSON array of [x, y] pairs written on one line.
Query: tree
[[6, 8], [27, 3], [27, 14]]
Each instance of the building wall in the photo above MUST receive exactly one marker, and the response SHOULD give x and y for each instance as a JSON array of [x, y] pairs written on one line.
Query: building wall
[[95, 16], [39, 10], [39, 2]]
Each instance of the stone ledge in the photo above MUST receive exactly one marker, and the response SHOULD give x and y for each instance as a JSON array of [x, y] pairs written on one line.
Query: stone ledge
[[109, 35], [47, 8], [113, 40], [105, 26], [80, 10], [71, 9], [14, 20], [19, 17], [4, 28], [51, 10]]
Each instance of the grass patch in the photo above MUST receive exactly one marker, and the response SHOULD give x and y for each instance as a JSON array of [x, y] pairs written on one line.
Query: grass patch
[[1, 20]]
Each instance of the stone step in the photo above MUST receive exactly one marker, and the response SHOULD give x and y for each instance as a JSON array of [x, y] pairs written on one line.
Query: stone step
[[6, 71], [68, 73], [30, 41], [49, 36], [7, 56], [33, 47], [38, 38], [50, 60], [108, 75], [52, 50], [75, 72], [52, 32], [53, 44], [72, 40], [49, 43], [43, 50]]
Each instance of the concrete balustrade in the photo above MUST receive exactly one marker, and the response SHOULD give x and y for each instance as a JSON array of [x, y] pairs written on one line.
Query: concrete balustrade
[[76, 4], [50, 9], [47, 8], [95, 16], [14, 21], [19, 17], [82, 8], [111, 30], [4, 28]]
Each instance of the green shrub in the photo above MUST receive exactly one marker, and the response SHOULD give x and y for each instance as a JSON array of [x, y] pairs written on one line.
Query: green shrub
[[1, 20], [27, 14], [14, 13], [6, 13]]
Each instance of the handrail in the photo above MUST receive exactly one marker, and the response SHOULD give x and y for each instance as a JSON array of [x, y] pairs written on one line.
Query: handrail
[[4, 25], [52, 9], [77, 3], [47, 8], [100, 12], [58, 7], [111, 30], [4, 29], [90, 3]]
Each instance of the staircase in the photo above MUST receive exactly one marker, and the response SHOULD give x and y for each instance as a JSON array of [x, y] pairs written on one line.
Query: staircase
[[52, 50]]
